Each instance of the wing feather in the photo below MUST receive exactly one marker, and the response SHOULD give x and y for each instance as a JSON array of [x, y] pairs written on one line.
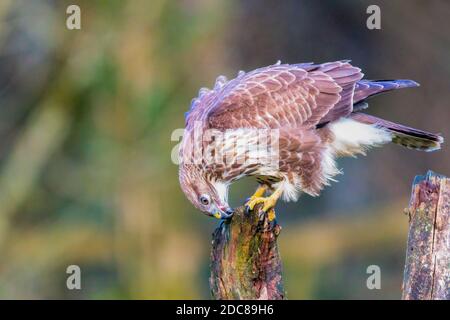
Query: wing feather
[[300, 95]]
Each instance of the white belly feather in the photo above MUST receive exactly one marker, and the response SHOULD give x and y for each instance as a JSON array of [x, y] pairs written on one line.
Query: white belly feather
[[353, 137]]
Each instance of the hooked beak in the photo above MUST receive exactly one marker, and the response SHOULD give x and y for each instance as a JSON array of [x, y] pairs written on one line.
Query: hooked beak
[[222, 213]]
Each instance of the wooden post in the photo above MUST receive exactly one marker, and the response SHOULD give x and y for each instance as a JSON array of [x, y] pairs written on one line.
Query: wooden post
[[427, 268], [245, 263]]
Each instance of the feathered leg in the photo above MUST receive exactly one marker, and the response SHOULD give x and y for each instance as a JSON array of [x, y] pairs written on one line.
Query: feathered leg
[[260, 191]]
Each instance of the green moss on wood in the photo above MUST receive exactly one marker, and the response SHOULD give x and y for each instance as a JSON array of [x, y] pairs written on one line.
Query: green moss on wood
[[245, 262]]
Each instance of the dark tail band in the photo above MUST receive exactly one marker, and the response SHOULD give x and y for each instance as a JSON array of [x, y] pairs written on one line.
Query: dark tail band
[[403, 135]]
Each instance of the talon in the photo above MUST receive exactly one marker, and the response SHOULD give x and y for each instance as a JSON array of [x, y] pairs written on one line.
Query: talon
[[254, 201], [268, 202]]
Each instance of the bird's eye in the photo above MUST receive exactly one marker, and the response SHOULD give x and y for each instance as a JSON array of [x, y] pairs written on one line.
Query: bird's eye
[[204, 199]]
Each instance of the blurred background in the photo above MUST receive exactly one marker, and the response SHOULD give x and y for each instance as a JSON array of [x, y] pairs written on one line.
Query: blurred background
[[86, 118]]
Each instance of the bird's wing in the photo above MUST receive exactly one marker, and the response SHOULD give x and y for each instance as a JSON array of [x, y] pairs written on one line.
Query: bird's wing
[[283, 95]]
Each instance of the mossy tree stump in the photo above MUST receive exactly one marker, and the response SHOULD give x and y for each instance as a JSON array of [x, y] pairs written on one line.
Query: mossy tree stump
[[245, 262], [427, 268]]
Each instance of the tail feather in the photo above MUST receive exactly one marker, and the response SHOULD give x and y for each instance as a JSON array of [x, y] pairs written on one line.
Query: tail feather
[[368, 88], [403, 135]]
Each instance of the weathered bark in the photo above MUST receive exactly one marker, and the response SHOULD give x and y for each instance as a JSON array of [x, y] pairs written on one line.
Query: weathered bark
[[427, 268], [245, 263]]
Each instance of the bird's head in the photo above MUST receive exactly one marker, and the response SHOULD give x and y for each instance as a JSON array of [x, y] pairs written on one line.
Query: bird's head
[[209, 196]]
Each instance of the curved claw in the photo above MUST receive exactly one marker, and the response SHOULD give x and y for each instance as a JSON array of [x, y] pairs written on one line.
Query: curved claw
[[268, 203], [253, 201], [250, 203]]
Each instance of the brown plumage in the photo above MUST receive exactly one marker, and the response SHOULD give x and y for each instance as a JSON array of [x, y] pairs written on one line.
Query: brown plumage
[[310, 112]]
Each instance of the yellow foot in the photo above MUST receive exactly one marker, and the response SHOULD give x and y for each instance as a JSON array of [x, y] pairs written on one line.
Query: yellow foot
[[259, 193], [268, 202]]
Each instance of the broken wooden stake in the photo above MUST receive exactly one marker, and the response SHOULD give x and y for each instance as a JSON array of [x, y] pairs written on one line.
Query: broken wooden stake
[[245, 263], [427, 267]]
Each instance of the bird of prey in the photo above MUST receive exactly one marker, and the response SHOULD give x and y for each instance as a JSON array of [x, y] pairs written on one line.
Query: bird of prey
[[315, 111]]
